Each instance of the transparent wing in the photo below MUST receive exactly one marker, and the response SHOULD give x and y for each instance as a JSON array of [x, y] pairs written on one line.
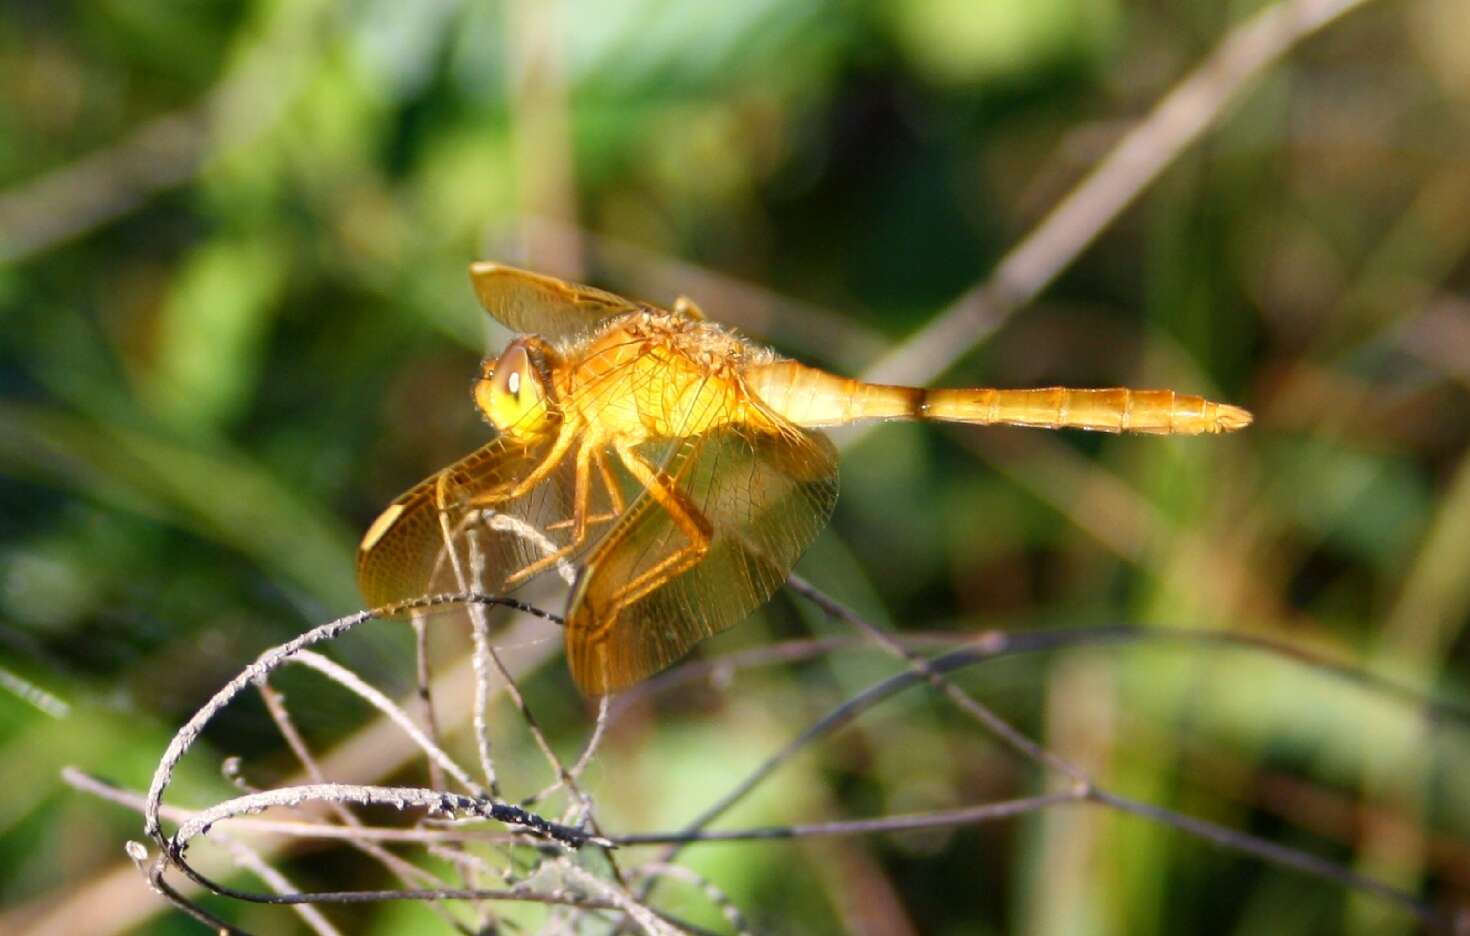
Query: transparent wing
[[405, 553], [761, 497], [543, 305]]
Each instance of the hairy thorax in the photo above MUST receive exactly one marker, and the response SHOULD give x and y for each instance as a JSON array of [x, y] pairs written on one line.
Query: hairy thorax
[[655, 374]]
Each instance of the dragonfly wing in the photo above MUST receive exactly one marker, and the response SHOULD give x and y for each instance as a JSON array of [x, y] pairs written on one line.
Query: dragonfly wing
[[531, 303], [405, 553], [762, 495]]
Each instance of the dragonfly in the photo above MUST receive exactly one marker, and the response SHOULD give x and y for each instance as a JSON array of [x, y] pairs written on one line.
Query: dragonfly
[[669, 469]]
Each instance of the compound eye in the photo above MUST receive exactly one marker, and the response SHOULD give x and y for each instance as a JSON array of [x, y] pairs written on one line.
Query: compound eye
[[516, 377], [510, 390]]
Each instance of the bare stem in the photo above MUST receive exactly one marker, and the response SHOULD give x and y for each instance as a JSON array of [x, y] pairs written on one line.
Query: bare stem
[[1178, 120]]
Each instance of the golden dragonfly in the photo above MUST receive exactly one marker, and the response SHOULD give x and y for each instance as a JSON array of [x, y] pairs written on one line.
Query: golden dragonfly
[[671, 470]]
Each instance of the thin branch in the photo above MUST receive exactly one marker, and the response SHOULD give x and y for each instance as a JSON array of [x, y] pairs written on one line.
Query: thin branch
[[619, 895], [480, 631], [295, 828], [249, 859], [436, 801], [407, 872], [243, 856], [271, 660], [32, 694], [423, 687], [604, 706], [521, 894], [975, 649], [103, 186], [941, 818], [390, 709], [932, 671], [1178, 120], [485, 651], [1435, 709], [986, 647], [1269, 852], [982, 713], [156, 879], [713, 894]]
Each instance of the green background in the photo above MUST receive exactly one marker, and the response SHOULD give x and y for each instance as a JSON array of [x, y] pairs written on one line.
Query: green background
[[235, 322]]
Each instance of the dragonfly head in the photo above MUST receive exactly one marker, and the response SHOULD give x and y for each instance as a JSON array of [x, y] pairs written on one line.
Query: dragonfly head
[[513, 391]]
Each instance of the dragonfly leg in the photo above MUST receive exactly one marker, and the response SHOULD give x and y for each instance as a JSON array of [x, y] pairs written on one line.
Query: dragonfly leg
[[686, 517], [548, 464], [614, 495], [580, 494], [540, 473]]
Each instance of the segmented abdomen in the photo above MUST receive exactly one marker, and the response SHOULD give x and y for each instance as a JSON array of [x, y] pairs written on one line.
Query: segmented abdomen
[[811, 397]]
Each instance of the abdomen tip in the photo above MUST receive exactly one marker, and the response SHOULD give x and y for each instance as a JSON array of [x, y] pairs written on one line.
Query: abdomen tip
[[1231, 418]]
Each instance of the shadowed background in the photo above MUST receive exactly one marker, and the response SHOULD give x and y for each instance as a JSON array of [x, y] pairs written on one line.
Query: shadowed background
[[235, 322]]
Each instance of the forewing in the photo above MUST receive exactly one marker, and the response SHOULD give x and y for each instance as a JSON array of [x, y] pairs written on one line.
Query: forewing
[[543, 305], [405, 553], [764, 496]]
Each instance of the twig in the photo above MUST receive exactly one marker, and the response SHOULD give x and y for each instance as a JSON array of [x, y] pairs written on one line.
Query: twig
[[522, 894], [480, 632], [268, 662], [104, 790], [34, 695], [355, 684], [484, 651], [996, 725], [713, 894], [593, 742], [407, 872], [932, 671], [247, 858], [969, 815], [98, 188], [987, 646], [626, 902], [1435, 709], [437, 801], [1176, 122], [423, 684], [156, 879], [1270, 852], [975, 649]]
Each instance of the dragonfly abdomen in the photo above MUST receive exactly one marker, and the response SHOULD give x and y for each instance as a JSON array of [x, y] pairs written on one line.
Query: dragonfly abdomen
[[811, 397], [1115, 409]]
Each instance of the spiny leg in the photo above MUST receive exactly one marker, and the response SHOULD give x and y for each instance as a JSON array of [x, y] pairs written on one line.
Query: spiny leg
[[450, 528], [614, 495], [686, 517], [614, 492], [565, 436], [580, 494]]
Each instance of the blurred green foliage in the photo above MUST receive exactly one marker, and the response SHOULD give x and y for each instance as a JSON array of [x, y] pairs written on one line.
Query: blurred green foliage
[[240, 323]]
